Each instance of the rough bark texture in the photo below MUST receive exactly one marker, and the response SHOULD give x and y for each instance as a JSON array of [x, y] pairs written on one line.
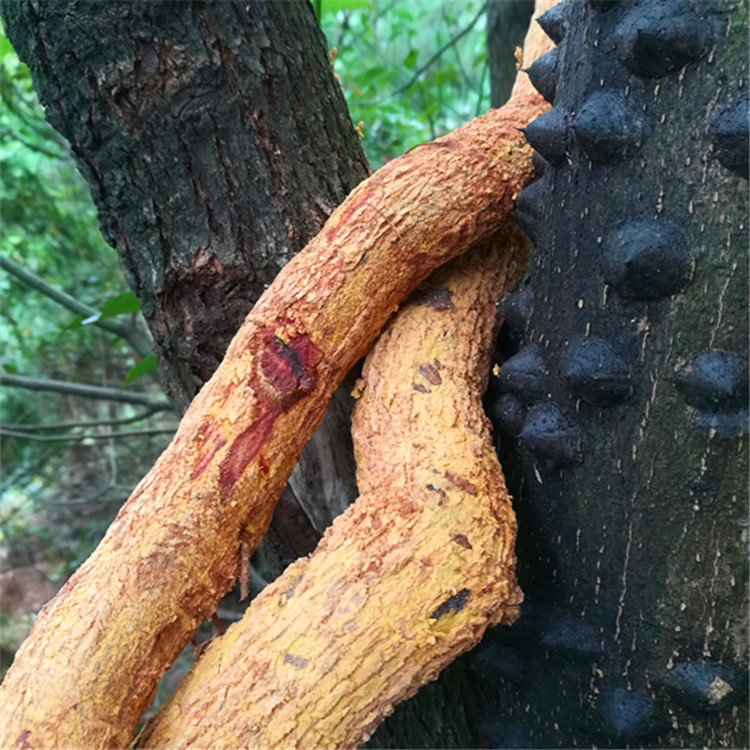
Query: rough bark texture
[[458, 710], [83, 677], [628, 396], [217, 142], [180, 115], [324, 653]]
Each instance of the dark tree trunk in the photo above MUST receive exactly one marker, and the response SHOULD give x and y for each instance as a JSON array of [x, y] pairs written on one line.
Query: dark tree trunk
[[507, 23], [183, 117], [623, 417], [216, 141]]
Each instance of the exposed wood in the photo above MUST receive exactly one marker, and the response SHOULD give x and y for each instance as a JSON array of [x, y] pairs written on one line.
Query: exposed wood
[[172, 551], [429, 480], [409, 576]]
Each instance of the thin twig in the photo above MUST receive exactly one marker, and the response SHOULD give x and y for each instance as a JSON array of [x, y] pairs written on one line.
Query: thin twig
[[438, 54], [29, 427], [138, 342], [33, 146], [85, 391], [88, 436]]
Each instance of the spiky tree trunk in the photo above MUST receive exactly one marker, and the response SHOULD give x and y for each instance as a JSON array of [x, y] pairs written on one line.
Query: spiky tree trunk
[[626, 403]]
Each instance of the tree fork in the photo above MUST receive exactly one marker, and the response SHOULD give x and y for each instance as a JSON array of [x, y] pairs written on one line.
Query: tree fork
[[171, 553]]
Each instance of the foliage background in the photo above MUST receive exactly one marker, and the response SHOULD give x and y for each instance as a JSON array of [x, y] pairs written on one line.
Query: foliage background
[[410, 70]]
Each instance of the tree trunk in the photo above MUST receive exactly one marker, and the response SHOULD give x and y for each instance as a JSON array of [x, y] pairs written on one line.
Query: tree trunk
[[507, 23], [216, 142], [623, 416], [619, 551]]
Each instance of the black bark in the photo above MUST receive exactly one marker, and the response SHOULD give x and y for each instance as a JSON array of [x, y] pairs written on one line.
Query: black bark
[[507, 23], [216, 141], [623, 415]]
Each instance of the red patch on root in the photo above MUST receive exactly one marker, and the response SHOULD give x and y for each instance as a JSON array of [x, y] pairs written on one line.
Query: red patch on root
[[263, 464], [462, 541], [213, 441], [245, 447], [290, 368], [23, 740]]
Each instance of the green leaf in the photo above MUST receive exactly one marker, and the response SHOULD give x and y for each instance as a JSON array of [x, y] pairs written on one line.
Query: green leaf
[[410, 60], [334, 6], [75, 322], [5, 46], [147, 364], [377, 71], [122, 304]]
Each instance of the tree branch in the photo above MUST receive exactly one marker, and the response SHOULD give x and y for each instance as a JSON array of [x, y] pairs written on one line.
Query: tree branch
[[33, 146], [438, 54], [139, 343], [85, 391], [88, 436], [29, 427]]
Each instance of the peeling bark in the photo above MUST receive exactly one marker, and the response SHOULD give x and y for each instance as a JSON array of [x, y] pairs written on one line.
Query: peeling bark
[[172, 550], [409, 576]]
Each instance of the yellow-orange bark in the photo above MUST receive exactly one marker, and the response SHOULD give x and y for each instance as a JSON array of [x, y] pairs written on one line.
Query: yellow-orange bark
[[92, 662], [409, 576], [414, 572]]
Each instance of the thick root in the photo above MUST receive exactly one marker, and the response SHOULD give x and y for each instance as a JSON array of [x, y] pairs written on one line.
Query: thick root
[[93, 660], [411, 575]]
